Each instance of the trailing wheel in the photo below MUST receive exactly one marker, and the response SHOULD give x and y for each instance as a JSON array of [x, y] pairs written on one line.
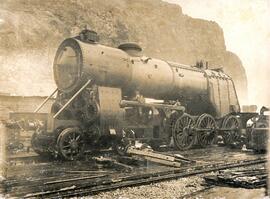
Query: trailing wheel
[[183, 133], [230, 129], [206, 130], [70, 143]]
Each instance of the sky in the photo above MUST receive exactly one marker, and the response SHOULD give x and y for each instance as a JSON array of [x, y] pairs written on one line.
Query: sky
[[246, 27]]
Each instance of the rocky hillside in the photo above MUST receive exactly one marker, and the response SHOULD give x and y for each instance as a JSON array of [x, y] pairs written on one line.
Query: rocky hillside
[[30, 31]]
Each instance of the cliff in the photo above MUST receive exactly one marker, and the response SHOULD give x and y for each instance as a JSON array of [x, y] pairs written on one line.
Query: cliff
[[31, 30]]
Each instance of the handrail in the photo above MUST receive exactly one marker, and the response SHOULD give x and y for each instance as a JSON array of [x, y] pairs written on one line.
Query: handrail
[[72, 98], [44, 102]]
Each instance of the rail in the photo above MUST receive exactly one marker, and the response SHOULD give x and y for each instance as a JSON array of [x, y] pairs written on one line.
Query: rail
[[111, 183]]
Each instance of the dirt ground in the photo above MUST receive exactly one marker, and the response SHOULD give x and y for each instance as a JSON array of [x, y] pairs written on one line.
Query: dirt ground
[[228, 193]]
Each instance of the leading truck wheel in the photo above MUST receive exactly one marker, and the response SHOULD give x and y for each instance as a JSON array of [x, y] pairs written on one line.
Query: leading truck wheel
[[206, 130], [230, 130], [70, 144], [183, 133]]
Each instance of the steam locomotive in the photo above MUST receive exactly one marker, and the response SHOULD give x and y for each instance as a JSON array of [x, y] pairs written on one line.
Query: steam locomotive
[[102, 101]]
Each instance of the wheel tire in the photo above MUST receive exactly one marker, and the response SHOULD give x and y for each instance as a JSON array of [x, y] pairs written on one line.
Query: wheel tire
[[205, 138], [70, 143], [230, 136], [184, 137]]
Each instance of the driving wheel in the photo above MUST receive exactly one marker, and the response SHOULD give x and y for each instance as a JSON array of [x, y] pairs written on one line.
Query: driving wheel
[[206, 130], [231, 126], [183, 133]]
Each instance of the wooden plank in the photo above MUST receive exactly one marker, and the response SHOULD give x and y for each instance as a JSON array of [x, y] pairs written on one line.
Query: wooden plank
[[151, 154], [164, 162]]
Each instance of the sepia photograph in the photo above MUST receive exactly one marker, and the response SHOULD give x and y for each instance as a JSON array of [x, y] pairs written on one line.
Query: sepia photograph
[[134, 99]]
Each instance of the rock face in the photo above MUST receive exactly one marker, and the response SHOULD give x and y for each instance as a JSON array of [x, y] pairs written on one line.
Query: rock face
[[30, 32]]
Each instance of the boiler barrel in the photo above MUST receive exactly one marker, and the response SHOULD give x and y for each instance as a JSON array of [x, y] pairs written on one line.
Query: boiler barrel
[[76, 60]]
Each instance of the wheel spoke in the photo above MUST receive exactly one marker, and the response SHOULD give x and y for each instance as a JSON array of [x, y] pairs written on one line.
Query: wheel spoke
[[73, 136], [70, 143], [206, 123], [70, 138], [231, 135], [78, 137], [66, 146], [182, 132]]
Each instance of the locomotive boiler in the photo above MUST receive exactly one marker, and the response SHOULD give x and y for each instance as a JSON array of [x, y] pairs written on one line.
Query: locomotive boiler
[[101, 102]]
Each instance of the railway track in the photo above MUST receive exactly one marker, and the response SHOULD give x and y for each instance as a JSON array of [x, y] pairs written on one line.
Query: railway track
[[90, 185]]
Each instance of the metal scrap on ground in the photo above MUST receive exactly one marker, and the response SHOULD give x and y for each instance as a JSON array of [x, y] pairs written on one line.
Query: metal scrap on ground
[[245, 178]]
